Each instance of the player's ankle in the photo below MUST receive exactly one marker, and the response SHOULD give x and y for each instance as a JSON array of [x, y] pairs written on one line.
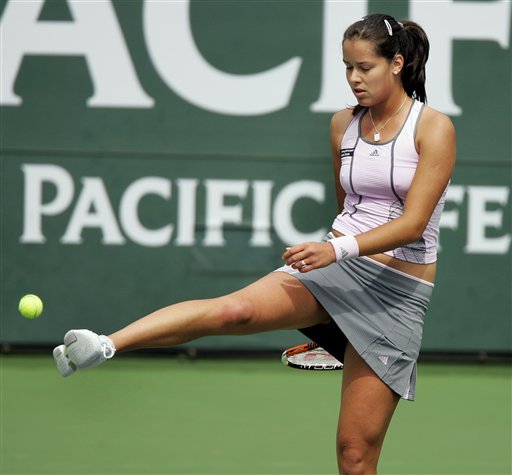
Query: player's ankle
[[109, 348]]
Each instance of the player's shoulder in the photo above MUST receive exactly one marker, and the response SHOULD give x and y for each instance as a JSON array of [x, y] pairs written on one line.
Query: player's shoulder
[[435, 131], [433, 121], [340, 120]]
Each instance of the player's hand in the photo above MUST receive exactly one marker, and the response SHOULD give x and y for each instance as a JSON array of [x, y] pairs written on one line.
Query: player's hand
[[309, 255]]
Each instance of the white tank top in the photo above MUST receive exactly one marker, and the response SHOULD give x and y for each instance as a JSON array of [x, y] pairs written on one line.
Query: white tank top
[[376, 178]]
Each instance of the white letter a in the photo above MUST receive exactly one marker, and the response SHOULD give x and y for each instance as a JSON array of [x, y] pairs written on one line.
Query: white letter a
[[94, 33]]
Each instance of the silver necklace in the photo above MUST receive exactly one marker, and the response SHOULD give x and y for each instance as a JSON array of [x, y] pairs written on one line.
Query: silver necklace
[[376, 135]]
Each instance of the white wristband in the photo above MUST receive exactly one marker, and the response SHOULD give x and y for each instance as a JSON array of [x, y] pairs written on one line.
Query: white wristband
[[345, 247]]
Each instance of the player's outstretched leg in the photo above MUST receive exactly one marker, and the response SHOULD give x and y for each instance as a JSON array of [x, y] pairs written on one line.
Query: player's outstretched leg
[[275, 302], [82, 349]]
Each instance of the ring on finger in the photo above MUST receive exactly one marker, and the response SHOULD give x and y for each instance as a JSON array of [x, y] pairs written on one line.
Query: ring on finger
[[302, 264]]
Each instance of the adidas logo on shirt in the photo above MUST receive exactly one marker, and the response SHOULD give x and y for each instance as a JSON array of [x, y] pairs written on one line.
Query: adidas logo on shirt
[[375, 153]]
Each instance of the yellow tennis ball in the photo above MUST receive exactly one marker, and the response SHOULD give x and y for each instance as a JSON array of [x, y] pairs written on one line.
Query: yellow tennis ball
[[30, 306]]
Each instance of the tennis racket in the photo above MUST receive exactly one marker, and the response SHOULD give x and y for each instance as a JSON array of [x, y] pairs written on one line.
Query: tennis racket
[[310, 356]]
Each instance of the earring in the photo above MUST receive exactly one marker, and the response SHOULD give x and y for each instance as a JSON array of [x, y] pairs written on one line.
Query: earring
[[395, 72]]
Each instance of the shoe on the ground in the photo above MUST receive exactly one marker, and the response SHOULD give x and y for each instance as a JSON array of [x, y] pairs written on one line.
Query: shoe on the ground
[[82, 349]]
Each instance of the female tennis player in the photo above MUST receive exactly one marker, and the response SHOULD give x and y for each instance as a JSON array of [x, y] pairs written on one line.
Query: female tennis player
[[362, 292]]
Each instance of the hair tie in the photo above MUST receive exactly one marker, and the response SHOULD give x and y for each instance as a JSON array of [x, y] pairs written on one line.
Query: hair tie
[[390, 30]]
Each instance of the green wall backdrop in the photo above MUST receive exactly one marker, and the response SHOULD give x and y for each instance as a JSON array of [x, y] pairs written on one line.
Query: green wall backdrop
[[158, 151]]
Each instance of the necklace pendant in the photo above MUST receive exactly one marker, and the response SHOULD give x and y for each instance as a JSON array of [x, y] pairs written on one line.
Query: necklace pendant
[[376, 136]]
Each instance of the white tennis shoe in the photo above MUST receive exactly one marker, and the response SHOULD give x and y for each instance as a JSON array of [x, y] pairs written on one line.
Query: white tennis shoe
[[64, 366], [82, 349]]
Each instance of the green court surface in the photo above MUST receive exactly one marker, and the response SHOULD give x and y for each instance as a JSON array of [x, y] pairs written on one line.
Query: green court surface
[[166, 415]]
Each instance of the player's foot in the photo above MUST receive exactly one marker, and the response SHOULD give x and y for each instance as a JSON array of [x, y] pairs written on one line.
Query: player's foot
[[64, 366], [82, 349], [86, 349]]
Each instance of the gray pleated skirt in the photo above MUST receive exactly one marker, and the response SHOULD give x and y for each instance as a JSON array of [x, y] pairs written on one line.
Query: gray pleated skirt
[[379, 310]]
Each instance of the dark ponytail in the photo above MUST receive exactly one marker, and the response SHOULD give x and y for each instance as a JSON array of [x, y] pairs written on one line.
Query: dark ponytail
[[391, 37], [413, 74]]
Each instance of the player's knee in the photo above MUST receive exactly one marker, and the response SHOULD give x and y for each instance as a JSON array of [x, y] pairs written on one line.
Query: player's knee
[[234, 315], [353, 462], [355, 457]]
